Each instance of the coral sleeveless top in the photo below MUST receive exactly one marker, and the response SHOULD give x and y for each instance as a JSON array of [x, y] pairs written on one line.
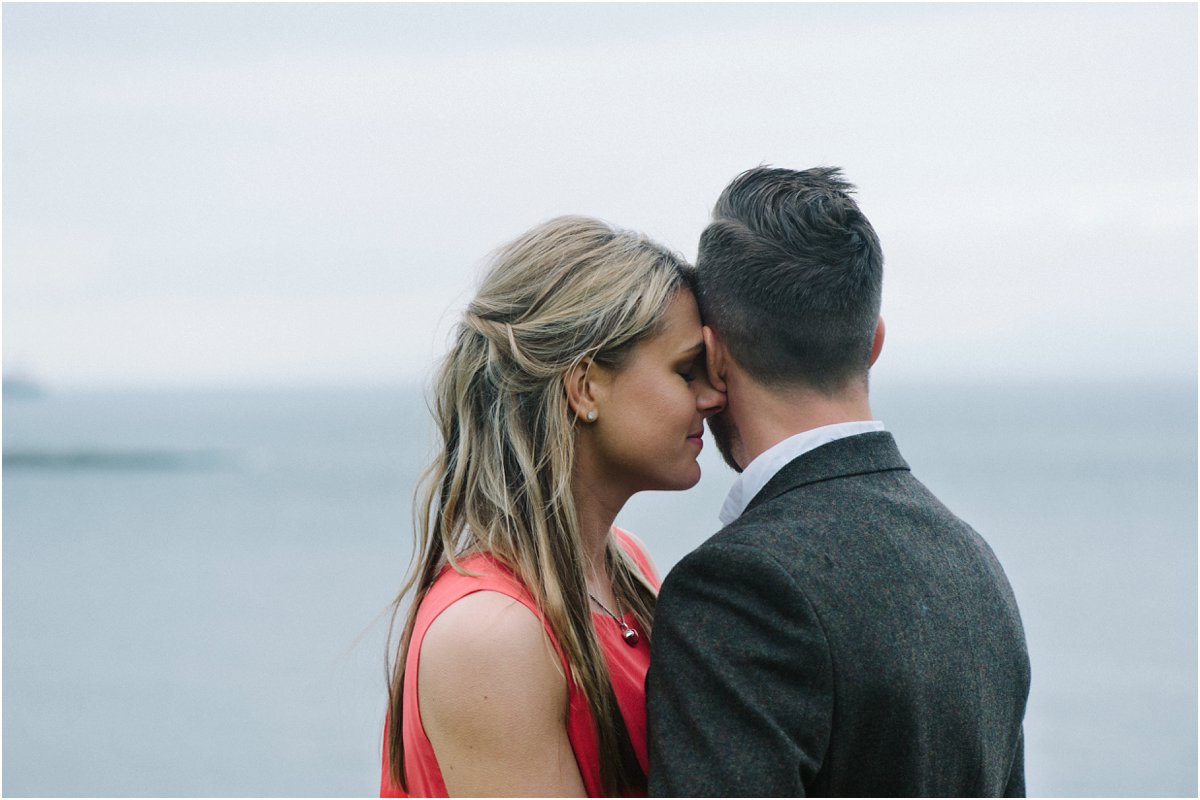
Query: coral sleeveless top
[[626, 666]]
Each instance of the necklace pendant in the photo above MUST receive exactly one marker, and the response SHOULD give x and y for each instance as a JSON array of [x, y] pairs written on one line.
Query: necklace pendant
[[627, 633]]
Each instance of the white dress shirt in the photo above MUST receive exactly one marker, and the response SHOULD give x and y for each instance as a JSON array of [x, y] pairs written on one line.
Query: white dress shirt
[[763, 468]]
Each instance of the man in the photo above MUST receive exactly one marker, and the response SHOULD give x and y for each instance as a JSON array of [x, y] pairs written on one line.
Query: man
[[845, 633]]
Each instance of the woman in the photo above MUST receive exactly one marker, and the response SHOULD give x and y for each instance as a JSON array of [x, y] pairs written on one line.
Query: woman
[[576, 380]]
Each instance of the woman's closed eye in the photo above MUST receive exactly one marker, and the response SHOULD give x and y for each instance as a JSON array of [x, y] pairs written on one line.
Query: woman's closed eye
[[693, 369]]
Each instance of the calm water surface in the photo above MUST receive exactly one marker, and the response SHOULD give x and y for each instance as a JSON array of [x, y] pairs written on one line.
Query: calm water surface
[[193, 581]]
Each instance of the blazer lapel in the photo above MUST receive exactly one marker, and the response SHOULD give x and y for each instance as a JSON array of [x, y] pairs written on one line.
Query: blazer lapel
[[854, 455]]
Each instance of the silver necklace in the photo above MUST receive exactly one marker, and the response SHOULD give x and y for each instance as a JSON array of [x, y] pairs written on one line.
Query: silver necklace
[[627, 633]]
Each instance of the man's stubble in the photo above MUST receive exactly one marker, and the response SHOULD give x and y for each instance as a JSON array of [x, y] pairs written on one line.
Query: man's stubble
[[726, 437]]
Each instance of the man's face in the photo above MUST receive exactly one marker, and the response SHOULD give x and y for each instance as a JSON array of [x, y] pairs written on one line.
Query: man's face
[[726, 436]]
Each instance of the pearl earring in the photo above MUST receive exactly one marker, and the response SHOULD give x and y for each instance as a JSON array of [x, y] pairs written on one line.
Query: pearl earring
[[591, 415]]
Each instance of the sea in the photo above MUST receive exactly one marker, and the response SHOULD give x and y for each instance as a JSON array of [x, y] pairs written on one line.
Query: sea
[[196, 583]]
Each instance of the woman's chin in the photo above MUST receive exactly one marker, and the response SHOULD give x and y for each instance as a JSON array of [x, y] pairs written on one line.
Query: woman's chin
[[681, 479], [687, 480]]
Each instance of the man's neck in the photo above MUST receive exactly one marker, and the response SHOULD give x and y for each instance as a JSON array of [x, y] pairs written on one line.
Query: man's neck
[[765, 417]]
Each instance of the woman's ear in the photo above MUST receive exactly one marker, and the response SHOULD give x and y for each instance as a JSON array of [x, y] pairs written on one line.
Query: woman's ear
[[714, 358], [580, 385]]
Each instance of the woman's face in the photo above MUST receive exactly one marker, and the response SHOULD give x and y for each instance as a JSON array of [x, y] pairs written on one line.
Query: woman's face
[[651, 411]]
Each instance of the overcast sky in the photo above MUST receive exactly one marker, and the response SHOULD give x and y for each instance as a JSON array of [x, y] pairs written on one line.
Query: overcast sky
[[304, 193]]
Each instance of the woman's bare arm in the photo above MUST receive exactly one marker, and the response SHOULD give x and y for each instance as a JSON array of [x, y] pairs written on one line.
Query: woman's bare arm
[[494, 702]]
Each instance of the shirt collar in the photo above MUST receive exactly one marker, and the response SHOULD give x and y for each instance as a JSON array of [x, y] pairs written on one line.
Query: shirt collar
[[759, 471]]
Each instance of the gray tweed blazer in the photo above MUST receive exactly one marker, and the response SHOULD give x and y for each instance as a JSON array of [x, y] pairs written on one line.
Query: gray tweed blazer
[[847, 635]]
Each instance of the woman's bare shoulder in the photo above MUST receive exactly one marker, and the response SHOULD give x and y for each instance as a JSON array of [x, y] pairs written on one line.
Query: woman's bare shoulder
[[485, 625], [484, 657]]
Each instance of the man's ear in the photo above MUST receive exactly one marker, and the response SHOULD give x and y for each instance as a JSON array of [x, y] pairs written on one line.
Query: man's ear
[[581, 384], [715, 356], [877, 345]]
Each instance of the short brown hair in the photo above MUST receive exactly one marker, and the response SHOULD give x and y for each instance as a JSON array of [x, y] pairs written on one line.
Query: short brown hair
[[790, 274]]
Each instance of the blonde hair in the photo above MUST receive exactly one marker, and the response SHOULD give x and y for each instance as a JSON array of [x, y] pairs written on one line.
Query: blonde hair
[[569, 289]]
